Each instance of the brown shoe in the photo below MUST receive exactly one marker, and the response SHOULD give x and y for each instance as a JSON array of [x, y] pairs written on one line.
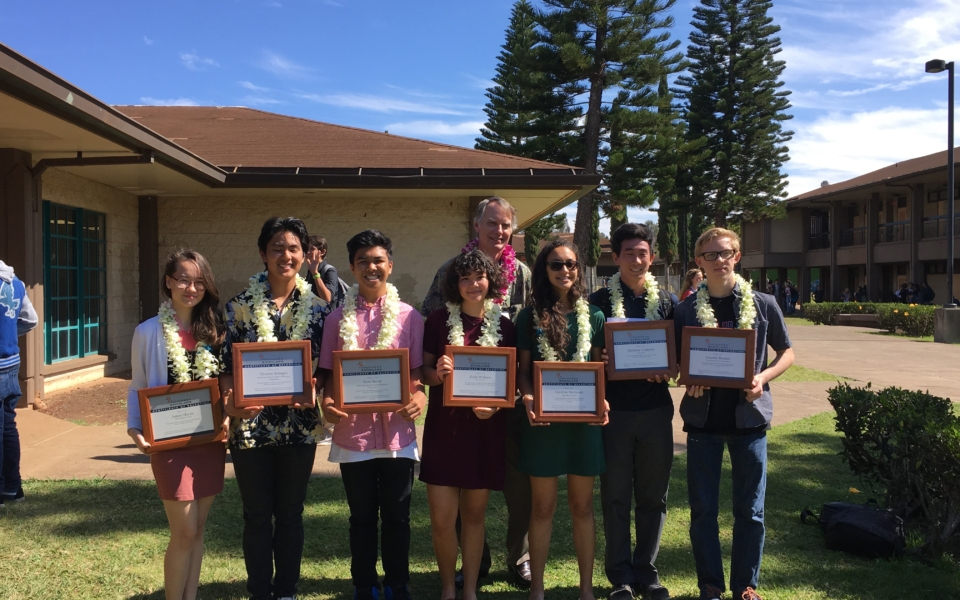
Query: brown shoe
[[520, 575], [750, 594]]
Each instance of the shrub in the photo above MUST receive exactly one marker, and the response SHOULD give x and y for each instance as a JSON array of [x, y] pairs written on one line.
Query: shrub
[[824, 312], [906, 445], [908, 319]]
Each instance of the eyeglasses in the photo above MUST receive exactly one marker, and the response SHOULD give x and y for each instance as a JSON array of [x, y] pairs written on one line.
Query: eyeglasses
[[183, 284], [712, 256], [556, 265]]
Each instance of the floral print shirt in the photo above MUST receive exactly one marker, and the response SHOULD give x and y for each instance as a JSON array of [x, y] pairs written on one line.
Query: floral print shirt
[[275, 425]]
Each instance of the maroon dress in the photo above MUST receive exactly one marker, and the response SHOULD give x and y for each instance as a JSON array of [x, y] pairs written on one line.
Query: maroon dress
[[459, 449]]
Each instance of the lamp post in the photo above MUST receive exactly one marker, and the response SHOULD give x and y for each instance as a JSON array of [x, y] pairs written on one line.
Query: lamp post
[[938, 66]]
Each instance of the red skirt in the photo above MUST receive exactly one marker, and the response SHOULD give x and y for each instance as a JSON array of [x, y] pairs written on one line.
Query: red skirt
[[189, 473]]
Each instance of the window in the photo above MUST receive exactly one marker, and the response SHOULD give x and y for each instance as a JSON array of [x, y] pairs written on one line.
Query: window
[[74, 282]]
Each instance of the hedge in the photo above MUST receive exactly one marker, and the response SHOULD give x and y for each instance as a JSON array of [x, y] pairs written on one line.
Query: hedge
[[906, 319]]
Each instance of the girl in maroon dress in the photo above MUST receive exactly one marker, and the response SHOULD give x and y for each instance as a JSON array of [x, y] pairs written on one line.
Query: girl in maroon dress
[[464, 449]]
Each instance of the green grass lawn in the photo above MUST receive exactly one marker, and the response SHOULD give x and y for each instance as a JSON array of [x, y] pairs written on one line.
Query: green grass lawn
[[105, 539], [800, 373], [791, 321]]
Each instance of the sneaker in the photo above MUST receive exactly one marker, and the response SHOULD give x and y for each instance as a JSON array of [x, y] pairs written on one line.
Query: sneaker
[[710, 593], [397, 592], [750, 594], [621, 592], [370, 593], [655, 592], [18, 497]]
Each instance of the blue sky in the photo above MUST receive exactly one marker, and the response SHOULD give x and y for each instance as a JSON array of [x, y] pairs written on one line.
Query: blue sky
[[420, 67]]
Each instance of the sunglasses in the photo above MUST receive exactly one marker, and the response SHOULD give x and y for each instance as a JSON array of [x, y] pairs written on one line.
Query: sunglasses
[[556, 265], [712, 256]]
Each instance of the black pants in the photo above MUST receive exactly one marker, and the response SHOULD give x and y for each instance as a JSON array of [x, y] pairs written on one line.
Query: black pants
[[380, 487], [639, 453], [273, 486]]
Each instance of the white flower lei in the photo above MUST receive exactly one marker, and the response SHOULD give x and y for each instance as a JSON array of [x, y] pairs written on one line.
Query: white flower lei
[[489, 331], [205, 364], [583, 336], [389, 327], [748, 310], [652, 310], [261, 309]]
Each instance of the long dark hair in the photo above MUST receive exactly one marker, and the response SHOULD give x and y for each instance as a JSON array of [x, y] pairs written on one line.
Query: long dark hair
[[207, 326], [474, 261], [546, 302]]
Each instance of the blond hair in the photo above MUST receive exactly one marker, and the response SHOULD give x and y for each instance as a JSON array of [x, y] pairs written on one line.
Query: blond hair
[[714, 233]]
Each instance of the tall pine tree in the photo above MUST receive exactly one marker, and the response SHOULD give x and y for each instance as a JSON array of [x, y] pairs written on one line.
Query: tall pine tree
[[620, 48], [527, 113], [736, 105]]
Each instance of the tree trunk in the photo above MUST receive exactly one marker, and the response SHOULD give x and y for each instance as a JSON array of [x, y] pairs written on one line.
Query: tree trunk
[[591, 138]]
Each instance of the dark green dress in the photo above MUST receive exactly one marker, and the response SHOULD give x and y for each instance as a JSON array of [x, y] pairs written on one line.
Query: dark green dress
[[560, 448]]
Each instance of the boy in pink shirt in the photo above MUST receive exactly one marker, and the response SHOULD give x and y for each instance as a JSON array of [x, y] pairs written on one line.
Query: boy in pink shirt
[[376, 452]]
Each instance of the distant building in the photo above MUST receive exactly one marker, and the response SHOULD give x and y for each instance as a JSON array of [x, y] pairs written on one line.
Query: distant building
[[877, 230]]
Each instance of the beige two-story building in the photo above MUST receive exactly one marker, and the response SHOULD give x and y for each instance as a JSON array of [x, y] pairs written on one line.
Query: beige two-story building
[[878, 230]]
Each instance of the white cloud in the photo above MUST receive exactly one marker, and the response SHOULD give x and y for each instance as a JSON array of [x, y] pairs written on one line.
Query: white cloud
[[282, 67], [380, 104], [168, 102], [147, 41], [253, 87], [838, 146], [260, 100], [195, 62], [434, 128]]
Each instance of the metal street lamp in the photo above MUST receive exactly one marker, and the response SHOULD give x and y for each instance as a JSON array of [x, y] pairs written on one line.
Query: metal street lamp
[[938, 66]]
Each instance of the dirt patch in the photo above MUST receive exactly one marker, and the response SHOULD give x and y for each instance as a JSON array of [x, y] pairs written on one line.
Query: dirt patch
[[100, 402]]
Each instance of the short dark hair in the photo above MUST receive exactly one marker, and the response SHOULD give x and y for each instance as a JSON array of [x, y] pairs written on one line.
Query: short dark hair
[[465, 264], [318, 242], [275, 225], [631, 231], [368, 239]]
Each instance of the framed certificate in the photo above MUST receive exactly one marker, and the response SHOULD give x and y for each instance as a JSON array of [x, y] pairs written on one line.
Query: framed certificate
[[716, 357], [640, 349], [568, 392], [272, 373], [179, 415], [481, 377], [369, 381]]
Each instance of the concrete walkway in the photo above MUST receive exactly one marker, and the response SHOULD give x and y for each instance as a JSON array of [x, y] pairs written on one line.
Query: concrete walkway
[[57, 449]]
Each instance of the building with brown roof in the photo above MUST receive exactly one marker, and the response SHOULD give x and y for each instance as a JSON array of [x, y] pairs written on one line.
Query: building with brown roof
[[94, 197], [878, 230]]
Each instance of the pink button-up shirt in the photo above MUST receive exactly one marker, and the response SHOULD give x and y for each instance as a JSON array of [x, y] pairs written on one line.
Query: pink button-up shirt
[[374, 431]]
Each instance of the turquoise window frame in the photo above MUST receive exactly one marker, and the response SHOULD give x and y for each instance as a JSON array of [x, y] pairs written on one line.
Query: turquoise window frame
[[74, 282]]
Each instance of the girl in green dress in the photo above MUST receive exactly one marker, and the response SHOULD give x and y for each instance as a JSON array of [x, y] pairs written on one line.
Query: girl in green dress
[[560, 326]]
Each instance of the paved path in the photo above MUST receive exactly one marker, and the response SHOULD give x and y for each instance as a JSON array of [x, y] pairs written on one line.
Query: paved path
[[57, 449]]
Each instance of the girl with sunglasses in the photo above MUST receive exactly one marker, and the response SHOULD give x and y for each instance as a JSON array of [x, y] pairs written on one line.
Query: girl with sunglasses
[[560, 326], [180, 345]]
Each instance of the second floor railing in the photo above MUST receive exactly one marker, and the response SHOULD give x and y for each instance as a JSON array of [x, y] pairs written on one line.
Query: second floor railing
[[855, 236], [896, 231], [820, 240], [934, 227]]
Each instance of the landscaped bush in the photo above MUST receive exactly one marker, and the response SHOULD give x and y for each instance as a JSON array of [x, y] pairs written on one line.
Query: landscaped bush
[[906, 445], [823, 313], [908, 319]]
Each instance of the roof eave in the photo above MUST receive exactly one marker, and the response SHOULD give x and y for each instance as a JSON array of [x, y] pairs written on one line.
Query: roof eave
[[31, 83], [294, 181]]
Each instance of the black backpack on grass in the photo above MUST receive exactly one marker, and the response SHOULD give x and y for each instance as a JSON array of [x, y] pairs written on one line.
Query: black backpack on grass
[[861, 529]]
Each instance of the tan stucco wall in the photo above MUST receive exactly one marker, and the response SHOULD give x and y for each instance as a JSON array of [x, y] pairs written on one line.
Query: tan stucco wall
[[123, 302], [786, 235], [425, 233]]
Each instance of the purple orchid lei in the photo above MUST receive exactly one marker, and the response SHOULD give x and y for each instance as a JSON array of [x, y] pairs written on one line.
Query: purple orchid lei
[[508, 262]]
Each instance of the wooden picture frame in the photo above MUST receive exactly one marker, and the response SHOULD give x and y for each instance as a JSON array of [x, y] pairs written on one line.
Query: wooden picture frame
[[742, 380], [509, 398], [612, 330], [544, 371], [378, 361], [187, 395], [281, 378]]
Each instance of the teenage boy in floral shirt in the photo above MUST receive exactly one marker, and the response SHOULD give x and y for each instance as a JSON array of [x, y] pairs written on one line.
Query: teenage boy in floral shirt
[[738, 419], [376, 452]]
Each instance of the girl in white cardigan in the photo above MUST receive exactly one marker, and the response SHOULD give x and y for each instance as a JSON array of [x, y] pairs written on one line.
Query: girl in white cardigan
[[188, 479]]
